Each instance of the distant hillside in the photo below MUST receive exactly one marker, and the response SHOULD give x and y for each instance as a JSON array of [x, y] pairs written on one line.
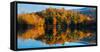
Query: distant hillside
[[88, 11]]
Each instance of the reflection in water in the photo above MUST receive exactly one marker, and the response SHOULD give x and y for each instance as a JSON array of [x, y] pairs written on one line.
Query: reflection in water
[[30, 43], [33, 33], [61, 36], [55, 35]]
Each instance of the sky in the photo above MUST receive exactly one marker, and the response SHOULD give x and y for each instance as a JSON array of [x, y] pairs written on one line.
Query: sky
[[29, 8]]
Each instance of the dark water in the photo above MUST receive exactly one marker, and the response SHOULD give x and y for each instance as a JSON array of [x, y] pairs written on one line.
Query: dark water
[[51, 35]]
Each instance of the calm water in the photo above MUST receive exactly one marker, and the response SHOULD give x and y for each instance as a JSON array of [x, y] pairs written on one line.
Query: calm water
[[56, 36], [29, 43]]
